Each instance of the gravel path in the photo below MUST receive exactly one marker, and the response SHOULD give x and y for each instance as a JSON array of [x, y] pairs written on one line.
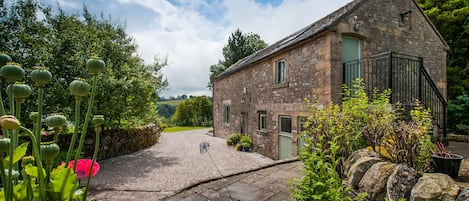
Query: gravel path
[[170, 165]]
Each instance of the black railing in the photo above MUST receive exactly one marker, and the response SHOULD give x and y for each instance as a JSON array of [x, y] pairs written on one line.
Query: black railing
[[407, 78]]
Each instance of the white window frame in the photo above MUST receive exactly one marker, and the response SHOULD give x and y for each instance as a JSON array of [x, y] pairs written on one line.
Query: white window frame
[[226, 113], [281, 71], [262, 120]]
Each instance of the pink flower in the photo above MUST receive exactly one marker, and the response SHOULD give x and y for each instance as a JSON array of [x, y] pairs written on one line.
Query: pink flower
[[83, 168]]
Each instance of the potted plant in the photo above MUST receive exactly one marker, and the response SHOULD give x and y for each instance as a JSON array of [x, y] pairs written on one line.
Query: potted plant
[[246, 143], [233, 139], [446, 162]]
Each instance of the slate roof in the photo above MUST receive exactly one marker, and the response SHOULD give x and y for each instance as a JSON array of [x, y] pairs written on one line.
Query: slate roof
[[316, 28]]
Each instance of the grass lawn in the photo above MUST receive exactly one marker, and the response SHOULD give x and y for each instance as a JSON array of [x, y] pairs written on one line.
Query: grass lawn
[[182, 128]]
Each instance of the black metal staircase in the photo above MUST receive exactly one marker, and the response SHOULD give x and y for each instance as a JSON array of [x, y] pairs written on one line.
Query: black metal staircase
[[407, 78]]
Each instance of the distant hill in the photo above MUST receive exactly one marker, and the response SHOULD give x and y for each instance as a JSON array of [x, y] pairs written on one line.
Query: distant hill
[[170, 102]]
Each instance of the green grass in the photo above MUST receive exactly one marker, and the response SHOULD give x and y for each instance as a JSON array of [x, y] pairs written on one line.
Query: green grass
[[182, 128]]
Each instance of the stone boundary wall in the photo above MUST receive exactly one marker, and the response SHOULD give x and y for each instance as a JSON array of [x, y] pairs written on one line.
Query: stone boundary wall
[[366, 172], [116, 142]]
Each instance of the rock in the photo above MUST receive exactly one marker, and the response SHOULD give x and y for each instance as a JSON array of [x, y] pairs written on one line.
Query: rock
[[375, 179], [434, 186], [359, 168], [463, 195], [355, 156], [400, 182]]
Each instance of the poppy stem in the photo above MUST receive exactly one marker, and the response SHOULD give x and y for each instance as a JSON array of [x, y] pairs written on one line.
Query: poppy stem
[[37, 155], [85, 123], [75, 130], [95, 155]]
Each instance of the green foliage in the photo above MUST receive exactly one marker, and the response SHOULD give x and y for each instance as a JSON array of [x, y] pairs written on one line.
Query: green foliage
[[60, 176], [410, 142], [332, 132], [458, 117], [193, 112], [239, 45], [233, 139], [19, 152], [451, 20], [166, 110], [246, 141], [321, 180], [63, 42]]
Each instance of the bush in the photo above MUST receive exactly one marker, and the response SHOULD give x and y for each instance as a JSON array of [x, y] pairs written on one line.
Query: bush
[[246, 142], [233, 139], [333, 132], [458, 117]]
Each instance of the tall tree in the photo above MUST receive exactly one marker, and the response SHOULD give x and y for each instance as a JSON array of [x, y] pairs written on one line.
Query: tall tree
[[193, 112], [62, 42], [239, 45], [451, 18]]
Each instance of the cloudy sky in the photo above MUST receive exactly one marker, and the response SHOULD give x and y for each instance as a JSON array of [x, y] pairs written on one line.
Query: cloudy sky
[[192, 33]]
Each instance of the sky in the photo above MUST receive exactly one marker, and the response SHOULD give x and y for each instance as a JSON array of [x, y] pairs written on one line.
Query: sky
[[192, 33]]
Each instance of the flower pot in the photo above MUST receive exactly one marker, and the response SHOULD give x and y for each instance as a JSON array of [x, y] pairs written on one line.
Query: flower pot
[[447, 165]]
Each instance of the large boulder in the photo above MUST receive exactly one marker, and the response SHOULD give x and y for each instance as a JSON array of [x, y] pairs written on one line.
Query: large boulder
[[359, 168], [433, 187], [400, 182], [375, 179], [357, 155]]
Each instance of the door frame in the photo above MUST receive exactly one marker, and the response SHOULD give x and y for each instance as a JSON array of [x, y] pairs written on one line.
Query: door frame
[[286, 136]]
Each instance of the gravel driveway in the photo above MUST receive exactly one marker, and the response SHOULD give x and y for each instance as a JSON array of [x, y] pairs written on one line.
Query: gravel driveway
[[170, 165]]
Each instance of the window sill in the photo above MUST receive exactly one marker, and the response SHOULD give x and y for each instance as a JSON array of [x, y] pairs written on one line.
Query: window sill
[[261, 132], [280, 85]]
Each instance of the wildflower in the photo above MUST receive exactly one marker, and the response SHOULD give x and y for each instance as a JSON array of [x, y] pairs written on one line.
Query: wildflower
[[83, 168]]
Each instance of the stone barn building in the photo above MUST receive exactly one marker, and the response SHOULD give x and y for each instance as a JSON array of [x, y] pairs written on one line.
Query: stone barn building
[[389, 43]]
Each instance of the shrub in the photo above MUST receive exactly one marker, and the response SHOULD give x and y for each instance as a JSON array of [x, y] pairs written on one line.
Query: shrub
[[458, 117], [246, 142], [333, 132], [233, 139]]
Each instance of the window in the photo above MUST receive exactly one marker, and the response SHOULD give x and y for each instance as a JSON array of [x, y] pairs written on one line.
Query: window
[[285, 125], [226, 113], [262, 120], [280, 71]]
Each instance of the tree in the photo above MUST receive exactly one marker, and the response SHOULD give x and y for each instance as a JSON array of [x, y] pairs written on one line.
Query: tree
[[166, 110], [128, 89], [239, 46], [193, 112], [451, 18]]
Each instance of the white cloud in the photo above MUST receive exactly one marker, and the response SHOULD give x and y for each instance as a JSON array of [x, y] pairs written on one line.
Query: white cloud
[[192, 33]]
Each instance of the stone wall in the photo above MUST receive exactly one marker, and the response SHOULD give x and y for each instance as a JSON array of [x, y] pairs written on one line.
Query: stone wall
[[116, 142], [253, 90], [314, 69], [367, 173], [397, 26]]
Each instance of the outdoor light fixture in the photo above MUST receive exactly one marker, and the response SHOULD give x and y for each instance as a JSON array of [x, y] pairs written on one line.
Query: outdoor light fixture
[[356, 26]]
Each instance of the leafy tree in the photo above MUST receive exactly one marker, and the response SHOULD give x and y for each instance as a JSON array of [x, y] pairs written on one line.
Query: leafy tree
[[458, 115], [166, 110], [193, 112], [63, 42], [452, 20], [239, 45]]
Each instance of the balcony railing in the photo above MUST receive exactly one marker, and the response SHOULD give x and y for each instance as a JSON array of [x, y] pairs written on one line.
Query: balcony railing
[[407, 78]]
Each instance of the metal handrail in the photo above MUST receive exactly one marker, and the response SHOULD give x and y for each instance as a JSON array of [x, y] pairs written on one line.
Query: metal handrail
[[405, 75]]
